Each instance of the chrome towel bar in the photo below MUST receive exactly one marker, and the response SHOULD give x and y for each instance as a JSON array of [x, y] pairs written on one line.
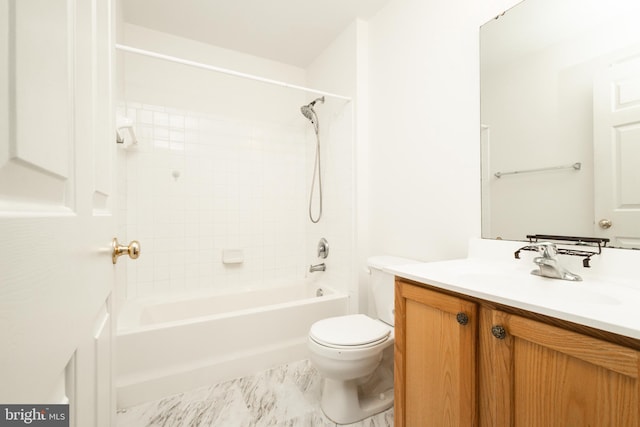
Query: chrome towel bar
[[576, 166]]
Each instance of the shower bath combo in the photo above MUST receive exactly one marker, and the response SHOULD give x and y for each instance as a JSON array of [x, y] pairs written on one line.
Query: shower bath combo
[[218, 307]]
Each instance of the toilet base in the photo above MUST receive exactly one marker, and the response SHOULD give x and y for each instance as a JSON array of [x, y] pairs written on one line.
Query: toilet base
[[343, 403]]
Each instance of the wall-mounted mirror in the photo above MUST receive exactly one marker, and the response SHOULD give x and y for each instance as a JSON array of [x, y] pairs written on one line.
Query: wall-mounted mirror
[[560, 120]]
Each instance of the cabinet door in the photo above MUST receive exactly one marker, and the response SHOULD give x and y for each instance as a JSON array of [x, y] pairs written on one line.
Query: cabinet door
[[435, 368], [541, 375]]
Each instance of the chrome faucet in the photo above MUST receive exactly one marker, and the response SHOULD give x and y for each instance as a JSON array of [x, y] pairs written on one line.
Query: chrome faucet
[[317, 267], [548, 263]]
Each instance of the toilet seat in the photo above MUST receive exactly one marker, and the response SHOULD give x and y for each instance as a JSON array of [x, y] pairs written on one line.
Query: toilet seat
[[349, 332]]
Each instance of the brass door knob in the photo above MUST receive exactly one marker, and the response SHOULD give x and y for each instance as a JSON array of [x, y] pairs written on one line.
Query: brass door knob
[[133, 249], [605, 223]]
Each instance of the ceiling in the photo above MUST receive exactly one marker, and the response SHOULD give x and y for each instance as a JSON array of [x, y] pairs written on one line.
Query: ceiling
[[293, 32]]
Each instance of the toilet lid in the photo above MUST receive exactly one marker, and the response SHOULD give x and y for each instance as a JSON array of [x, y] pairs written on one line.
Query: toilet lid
[[351, 330]]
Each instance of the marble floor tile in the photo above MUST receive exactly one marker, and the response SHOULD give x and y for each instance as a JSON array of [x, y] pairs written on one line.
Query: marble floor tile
[[285, 396], [384, 419]]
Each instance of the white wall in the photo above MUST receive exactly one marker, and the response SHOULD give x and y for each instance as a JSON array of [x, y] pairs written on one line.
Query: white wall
[[159, 82], [424, 126], [200, 184]]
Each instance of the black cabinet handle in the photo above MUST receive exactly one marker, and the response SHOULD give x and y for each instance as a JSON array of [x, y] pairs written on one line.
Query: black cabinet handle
[[498, 332], [462, 318]]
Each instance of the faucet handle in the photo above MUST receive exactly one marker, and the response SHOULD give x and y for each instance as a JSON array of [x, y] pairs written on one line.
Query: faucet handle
[[547, 249]]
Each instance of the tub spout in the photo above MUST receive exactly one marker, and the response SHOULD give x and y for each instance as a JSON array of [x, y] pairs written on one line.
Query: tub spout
[[317, 267]]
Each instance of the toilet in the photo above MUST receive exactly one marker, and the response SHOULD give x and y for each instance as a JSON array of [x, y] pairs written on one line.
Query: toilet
[[354, 353]]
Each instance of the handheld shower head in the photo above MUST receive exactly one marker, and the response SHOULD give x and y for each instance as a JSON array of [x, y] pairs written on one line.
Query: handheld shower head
[[308, 111]]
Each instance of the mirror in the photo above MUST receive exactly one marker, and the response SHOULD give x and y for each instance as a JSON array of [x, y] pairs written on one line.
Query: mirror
[[560, 120]]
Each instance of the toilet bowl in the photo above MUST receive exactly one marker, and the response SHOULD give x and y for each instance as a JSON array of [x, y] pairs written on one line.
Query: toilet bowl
[[345, 350], [348, 350]]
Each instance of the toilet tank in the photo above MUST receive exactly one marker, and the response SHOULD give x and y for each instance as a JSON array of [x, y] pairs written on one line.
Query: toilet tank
[[382, 284]]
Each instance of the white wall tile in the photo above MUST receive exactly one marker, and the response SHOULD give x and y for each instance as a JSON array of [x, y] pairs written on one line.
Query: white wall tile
[[229, 192]]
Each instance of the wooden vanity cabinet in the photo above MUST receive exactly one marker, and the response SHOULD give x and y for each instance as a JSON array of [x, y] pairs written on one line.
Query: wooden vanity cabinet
[[435, 358], [542, 375], [505, 369]]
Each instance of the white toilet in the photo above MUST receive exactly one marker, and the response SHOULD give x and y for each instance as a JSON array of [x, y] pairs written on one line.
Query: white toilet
[[348, 350]]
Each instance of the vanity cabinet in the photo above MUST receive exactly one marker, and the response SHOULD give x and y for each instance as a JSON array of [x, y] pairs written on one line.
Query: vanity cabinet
[[506, 367], [435, 358]]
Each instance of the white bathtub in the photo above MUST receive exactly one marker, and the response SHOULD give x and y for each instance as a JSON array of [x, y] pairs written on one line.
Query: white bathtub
[[168, 345]]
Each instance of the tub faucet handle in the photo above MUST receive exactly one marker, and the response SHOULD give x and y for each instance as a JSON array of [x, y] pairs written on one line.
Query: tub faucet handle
[[323, 248]]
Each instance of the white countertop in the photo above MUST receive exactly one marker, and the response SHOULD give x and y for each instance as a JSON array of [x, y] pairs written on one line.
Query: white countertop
[[601, 300]]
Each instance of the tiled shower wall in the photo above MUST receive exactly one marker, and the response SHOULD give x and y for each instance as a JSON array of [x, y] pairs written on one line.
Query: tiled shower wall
[[197, 185]]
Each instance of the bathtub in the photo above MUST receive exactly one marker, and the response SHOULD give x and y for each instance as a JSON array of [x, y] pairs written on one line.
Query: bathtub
[[167, 345]]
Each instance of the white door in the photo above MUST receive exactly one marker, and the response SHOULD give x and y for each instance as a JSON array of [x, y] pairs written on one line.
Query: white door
[[56, 206], [617, 152]]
